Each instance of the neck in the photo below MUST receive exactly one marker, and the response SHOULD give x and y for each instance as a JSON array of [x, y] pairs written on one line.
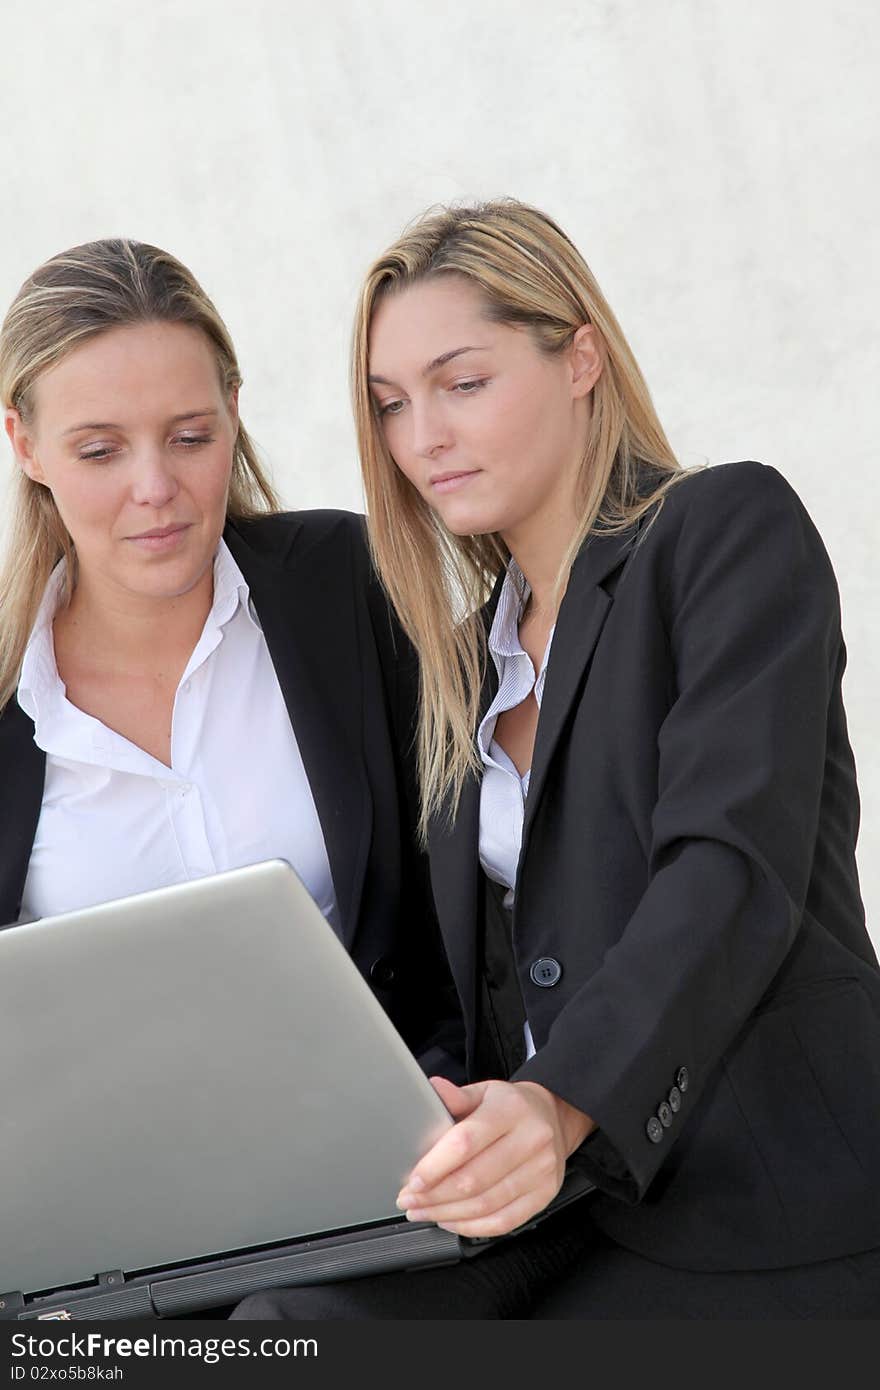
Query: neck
[[539, 546], [130, 631]]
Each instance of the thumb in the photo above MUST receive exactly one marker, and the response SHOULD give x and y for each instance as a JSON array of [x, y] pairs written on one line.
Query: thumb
[[459, 1100]]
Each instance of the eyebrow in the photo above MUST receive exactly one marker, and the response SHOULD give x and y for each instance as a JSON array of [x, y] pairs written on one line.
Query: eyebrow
[[432, 366], [109, 425]]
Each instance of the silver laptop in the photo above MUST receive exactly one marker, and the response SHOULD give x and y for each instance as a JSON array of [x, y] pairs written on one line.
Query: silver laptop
[[201, 1099]]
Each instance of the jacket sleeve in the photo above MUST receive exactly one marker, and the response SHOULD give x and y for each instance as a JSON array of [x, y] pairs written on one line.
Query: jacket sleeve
[[425, 1007], [753, 628]]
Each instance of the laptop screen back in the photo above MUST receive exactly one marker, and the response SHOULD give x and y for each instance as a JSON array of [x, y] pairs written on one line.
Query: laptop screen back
[[195, 1070]]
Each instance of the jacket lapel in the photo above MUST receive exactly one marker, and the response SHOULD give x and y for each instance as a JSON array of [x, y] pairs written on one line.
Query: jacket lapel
[[581, 618], [304, 603], [453, 853], [454, 856], [25, 769]]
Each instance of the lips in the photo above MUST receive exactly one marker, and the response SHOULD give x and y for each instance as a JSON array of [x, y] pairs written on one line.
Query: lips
[[448, 482], [161, 540], [160, 532]]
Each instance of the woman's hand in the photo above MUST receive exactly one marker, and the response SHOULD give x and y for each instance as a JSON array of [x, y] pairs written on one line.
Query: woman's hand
[[501, 1163]]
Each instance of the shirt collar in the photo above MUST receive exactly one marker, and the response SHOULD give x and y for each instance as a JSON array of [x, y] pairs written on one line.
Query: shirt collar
[[230, 589], [504, 633], [40, 687], [504, 644], [39, 679]]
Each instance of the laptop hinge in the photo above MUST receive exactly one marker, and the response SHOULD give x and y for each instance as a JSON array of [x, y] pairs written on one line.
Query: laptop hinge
[[15, 1303], [58, 1312]]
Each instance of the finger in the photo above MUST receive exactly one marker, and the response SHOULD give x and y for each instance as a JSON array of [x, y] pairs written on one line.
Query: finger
[[534, 1182], [459, 1100], [501, 1223], [472, 1179], [458, 1145]]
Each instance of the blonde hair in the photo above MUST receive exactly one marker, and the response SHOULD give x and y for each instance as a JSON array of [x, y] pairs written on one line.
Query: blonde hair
[[528, 274], [75, 296]]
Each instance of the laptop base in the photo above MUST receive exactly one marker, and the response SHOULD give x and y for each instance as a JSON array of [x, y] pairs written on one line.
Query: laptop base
[[400, 1246]]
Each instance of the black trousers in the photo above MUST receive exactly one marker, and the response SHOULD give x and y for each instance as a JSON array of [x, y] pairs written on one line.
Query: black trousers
[[614, 1283], [566, 1269]]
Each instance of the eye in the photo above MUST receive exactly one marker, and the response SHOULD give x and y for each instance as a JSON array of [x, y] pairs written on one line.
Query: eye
[[390, 408], [96, 453], [469, 388], [192, 441]]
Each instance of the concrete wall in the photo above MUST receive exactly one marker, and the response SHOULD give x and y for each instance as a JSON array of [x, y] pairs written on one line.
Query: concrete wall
[[716, 162]]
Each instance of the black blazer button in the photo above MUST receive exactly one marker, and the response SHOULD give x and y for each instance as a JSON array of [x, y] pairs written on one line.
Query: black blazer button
[[546, 972], [674, 1099], [654, 1130], [664, 1114], [682, 1080], [382, 972]]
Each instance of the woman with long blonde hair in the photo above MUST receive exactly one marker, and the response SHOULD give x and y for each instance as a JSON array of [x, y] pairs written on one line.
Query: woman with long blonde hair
[[157, 607], [638, 795]]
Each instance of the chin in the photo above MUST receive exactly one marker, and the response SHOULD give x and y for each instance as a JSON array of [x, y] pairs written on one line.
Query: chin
[[472, 524], [168, 581]]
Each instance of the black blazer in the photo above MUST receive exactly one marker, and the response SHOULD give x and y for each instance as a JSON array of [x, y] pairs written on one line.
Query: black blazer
[[712, 998], [348, 677]]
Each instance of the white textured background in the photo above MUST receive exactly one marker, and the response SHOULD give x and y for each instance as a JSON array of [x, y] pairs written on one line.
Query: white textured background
[[717, 163]]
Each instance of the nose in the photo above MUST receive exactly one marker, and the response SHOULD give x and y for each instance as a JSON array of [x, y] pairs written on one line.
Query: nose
[[430, 429], [154, 482]]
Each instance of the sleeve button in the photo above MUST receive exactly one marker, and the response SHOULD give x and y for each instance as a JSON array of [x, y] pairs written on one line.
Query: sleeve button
[[654, 1130]]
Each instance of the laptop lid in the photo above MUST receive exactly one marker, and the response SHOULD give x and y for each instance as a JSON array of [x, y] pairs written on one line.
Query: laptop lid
[[194, 1070]]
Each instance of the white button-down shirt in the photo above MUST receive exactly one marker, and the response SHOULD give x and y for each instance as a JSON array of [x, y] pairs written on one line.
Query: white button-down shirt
[[503, 791], [116, 821]]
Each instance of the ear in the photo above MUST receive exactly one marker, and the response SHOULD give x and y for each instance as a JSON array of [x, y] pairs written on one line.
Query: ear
[[232, 406], [22, 441], [586, 360]]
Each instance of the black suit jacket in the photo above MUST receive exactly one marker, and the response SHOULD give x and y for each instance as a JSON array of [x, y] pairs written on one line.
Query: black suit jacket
[[688, 866], [348, 677]]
